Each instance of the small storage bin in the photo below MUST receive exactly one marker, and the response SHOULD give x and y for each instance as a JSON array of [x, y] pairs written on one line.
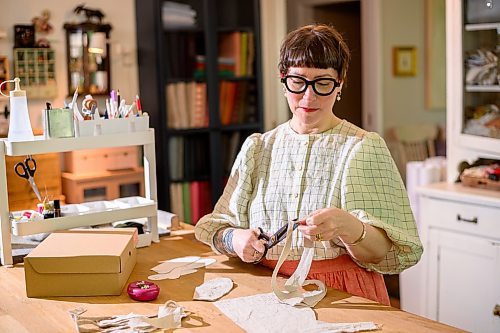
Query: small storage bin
[[132, 202], [111, 126], [74, 209], [100, 206]]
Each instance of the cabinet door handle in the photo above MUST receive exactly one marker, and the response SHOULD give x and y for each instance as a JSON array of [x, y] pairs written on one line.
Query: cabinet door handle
[[460, 218], [496, 310]]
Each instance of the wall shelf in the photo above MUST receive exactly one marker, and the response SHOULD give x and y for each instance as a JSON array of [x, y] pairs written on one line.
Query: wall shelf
[[39, 146]]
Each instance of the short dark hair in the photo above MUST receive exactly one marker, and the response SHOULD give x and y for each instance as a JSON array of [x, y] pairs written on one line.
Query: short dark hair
[[315, 46]]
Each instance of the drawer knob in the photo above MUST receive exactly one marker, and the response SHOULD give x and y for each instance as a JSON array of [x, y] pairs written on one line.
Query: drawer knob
[[496, 310], [460, 218]]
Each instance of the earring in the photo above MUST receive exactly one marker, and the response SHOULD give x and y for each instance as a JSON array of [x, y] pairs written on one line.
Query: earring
[[339, 96]]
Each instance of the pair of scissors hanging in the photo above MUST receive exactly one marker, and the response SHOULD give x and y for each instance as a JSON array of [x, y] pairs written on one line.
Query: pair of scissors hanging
[[26, 170]]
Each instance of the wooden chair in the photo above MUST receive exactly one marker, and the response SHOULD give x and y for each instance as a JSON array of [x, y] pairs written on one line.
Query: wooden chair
[[412, 143]]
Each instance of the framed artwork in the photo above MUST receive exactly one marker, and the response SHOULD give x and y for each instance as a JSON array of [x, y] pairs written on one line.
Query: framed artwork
[[404, 61]]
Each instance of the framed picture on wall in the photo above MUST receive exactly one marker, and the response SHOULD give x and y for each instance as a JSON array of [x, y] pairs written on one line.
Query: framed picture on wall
[[404, 61]]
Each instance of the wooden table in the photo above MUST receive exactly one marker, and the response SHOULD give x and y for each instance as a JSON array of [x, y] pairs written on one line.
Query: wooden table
[[20, 314]]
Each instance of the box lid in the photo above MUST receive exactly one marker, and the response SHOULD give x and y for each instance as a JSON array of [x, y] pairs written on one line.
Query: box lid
[[84, 251]]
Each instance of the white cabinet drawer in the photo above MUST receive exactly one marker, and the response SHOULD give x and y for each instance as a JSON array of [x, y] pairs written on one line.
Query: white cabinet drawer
[[462, 217]]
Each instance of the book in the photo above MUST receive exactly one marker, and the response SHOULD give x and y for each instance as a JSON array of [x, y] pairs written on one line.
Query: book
[[191, 101], [176, 200], [186, 202], [229, 102], [173, 157], [171, 96], [200, 200], [250, 53], [229, 47], [200, 111], [243, 53], [182, 106]]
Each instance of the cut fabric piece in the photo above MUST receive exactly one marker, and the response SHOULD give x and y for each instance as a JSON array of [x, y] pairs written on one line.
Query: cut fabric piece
[[213, 289], [175, 268], [293, 294], [266, 313], [169, 316]]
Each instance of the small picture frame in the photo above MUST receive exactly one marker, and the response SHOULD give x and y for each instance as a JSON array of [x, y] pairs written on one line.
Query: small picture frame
[[24, 36], [404, 62]]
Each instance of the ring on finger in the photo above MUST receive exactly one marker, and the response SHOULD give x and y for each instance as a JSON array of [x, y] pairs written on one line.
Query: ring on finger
[[318, 237]]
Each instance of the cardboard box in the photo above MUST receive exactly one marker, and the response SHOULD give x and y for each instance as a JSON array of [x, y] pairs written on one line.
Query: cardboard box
[[87, 262]]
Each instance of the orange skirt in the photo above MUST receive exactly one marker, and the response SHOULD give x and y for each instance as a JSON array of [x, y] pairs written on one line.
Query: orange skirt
[[341, 273]]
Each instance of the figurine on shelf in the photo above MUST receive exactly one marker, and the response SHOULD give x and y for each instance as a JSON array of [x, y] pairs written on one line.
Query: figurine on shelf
[[42, 23], [91, 14]]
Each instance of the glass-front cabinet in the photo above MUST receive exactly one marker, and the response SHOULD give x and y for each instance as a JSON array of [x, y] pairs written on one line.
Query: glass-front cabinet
[[480, 119], [472, 82], [481, 76], [88, 58]]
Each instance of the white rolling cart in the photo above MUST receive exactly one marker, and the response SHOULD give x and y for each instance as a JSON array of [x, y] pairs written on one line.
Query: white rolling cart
[[41, 146]]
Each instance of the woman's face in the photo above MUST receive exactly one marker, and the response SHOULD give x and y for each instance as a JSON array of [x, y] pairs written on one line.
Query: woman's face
[[312, 112]]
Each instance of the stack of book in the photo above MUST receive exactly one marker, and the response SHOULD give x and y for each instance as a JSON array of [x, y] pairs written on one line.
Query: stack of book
[[190, 200], [237, 104], [239, 46], [187, 105]]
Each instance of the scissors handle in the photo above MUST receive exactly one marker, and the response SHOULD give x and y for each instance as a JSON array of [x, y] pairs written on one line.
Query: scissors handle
[[21, 172], [30, 168]]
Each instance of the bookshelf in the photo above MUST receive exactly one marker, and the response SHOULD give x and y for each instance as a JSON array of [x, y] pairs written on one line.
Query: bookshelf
[[200, 76]]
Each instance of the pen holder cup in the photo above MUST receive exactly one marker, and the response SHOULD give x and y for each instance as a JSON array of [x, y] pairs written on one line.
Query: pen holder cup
[[112, 126]]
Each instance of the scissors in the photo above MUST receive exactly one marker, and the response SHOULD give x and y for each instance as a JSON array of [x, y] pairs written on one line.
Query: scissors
[[273, 240], [27, 170]]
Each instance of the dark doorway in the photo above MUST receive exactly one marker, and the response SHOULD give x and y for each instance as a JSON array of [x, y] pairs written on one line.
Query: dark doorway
[[346, 18]]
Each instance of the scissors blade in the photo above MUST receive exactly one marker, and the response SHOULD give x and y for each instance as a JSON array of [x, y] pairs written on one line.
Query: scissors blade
[[280, 235], [35, 188]]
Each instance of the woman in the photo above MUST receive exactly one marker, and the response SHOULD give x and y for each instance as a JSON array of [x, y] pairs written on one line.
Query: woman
[[338, 180]]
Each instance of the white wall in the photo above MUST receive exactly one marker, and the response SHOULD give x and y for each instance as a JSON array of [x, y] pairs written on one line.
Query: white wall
[[273, 30], [121, 16], [403, 24], [401, 98]]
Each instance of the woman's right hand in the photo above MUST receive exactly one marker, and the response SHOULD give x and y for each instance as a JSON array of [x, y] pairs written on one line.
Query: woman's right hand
[[246, 244]]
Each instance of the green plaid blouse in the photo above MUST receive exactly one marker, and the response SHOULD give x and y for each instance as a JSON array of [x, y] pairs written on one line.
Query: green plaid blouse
[[282, 175]]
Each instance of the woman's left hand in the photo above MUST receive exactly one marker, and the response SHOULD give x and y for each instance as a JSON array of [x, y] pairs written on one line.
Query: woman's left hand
[[329, 223]]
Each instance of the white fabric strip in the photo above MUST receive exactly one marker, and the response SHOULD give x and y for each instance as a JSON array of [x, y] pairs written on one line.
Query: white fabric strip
[[293, 293]]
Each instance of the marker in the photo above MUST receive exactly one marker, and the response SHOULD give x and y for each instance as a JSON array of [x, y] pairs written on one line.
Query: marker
[[138, 105]]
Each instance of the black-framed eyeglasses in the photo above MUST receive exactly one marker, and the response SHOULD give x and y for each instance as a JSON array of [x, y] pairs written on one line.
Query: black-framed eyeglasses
[[298, 85]]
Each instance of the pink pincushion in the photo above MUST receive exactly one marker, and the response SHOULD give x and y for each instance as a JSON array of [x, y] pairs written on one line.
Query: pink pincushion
[[143, 290]]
